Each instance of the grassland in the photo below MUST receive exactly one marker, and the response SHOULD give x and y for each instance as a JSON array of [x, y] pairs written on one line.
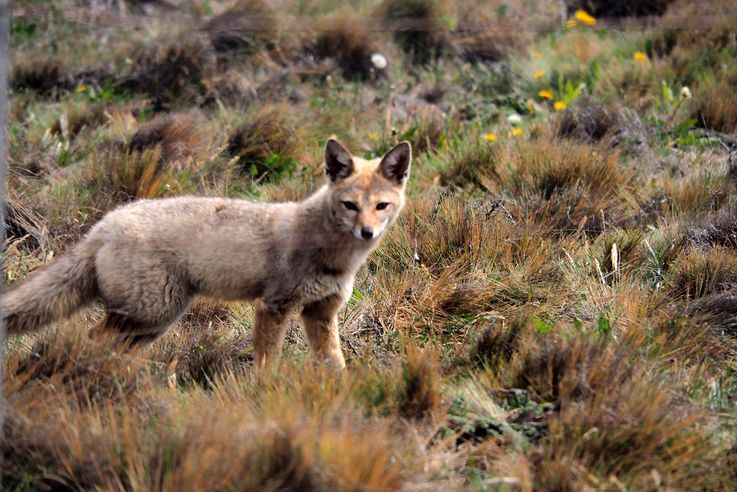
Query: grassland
[[556, 309]]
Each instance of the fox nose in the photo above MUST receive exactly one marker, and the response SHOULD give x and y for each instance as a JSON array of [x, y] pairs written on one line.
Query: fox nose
[[367, 233]]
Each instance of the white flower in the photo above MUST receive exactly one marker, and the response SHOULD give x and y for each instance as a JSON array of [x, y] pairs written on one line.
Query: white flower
[[514, 119], [379, 61], [685, 92]]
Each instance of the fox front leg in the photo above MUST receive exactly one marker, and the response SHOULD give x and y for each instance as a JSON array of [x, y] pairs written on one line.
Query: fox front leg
[[270, 326], [321, 325]]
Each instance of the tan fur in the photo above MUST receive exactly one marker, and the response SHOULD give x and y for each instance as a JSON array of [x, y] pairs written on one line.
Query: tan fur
[[145, 261]]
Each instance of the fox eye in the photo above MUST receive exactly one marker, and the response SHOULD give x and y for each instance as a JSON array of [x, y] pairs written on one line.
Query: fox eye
[[350, 205], [381, 206]]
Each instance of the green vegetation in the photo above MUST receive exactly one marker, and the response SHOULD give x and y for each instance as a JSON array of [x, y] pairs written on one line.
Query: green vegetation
[[556, 308]]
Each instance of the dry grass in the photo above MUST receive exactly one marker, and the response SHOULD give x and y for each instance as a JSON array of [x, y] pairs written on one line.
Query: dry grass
[[420, 28], [346, 38], [482, 36], [715, 105], [180, 138], [553, 310], [266, 144], [171, 72], [248, 26]]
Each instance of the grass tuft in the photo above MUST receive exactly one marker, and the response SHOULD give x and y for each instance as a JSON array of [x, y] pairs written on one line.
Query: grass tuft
[[346, 39], [265, 146], [181, 137], [420, 27]]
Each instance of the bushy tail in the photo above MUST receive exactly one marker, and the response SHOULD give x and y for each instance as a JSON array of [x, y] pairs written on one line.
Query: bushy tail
[[55, 291]]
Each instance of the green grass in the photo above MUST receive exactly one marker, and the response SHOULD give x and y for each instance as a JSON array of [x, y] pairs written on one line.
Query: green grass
[[553, 310]]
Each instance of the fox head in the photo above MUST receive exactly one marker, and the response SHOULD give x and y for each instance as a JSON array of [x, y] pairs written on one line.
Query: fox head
[[366, 195]]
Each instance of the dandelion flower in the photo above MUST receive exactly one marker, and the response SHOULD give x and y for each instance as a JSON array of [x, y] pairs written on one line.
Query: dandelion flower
[[539, 74], [514, 132], [583, 17], [514, 119], [81, 88], [640, 56], [545, 94], [559, 105], [379, 61], [685, 92], [490, 137], [571, 23]]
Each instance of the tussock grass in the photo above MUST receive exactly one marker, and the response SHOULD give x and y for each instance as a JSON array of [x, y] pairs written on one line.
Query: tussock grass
[[715, 105], [265, 145], [483, 36], [347, 39], [171, 72], [420, 28], [248, 26], [553, 309], [181, 137], [115, 176], [40, 75], [589, 122]]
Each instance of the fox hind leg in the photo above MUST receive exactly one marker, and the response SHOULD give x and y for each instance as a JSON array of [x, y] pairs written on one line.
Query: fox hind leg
[[321, 325], [126, 330], [141, 308]]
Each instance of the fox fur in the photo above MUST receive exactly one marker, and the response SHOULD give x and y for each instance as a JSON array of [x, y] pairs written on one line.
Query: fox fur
[[146, 261]]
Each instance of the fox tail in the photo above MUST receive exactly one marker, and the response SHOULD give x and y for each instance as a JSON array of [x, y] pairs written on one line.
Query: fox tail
[[53, 292]]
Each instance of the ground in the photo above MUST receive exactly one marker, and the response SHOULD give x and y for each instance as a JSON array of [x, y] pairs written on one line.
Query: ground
[[556, 308]]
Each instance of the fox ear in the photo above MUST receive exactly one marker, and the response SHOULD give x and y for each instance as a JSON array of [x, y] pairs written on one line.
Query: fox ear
[[338, 161], [395, 163]]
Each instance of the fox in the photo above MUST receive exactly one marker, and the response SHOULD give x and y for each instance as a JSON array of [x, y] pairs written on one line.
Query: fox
[[147, 260]]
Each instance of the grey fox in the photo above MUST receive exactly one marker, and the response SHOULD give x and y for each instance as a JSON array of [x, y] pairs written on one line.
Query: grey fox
[[145, 261]]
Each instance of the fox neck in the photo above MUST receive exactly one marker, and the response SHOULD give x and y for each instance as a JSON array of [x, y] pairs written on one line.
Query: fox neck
[[316, 220]]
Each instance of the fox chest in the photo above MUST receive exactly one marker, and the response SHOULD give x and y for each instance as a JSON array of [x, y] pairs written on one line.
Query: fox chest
[[316, 274]]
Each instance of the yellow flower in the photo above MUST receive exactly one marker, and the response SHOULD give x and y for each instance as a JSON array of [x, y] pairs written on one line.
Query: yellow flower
[[639, 56], [559, 105], [514, 132], [583, 17], [545, 94], [81, 88], [490, 137], [539, 74], [571, 23], [536, 54]]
